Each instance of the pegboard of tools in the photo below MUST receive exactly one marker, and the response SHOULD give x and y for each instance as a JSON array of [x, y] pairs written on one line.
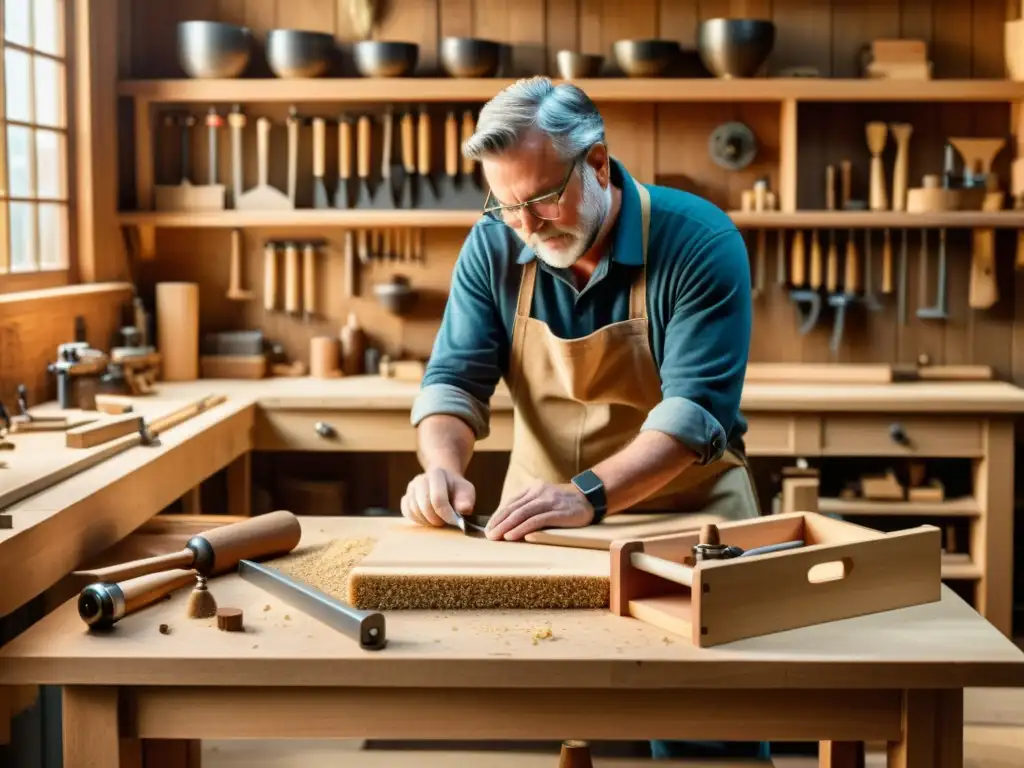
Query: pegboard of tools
[[755, 577]]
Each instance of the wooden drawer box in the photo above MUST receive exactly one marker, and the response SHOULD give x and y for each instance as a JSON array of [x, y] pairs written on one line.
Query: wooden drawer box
[[841, 570], [934, 436]]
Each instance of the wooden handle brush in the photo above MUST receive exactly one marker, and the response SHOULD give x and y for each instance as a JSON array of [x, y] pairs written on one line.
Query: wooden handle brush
[[216, 551]]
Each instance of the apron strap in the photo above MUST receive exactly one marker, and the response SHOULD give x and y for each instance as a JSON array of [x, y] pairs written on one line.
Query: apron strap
[[526, 282], [638, 291]]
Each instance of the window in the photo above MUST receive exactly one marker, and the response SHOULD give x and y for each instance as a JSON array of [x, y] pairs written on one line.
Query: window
[[34, 184]]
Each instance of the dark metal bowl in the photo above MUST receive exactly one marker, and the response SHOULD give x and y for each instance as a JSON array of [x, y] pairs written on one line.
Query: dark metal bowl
[[298, 53], [573, 65], [380, 58], [470, 57], [213, 49], [735, 47], [645, 58]]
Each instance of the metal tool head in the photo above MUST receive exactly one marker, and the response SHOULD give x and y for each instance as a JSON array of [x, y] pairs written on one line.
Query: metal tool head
[[808, 306], [839, 302]]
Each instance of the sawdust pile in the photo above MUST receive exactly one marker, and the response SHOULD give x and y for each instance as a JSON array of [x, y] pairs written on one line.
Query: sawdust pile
[[326, 566], [384, 592]]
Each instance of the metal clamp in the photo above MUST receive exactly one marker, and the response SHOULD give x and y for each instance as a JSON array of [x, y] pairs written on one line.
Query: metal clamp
[[366, 627]]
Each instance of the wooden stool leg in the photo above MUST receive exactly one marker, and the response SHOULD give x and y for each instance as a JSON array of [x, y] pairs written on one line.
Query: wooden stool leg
[[575, 754], [841, 754]]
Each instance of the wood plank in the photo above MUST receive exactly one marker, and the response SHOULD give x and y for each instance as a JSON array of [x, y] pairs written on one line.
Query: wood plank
[[97, 433]]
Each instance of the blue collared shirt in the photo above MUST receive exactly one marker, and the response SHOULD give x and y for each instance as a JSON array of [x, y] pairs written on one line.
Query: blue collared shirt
[[698, 306]]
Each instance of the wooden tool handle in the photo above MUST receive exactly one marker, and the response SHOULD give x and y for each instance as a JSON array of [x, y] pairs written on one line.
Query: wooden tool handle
[[236, 120], [309, 278], [363, 147], [830, 187], [269, 277], [319, 146], [451, 145], [796, 260], [350, 264], [886, 262], [291, 278], [385, 244], [878, 201], [235, 277], [1019, 261], [293, 157], [468, 127], [344, 148], [901, 132], [115, 573], [851, 275], [145, 590], [423, 148], [832, 268], [262, 148], [815, 276], [263, 536], [983, 292], [386, 145], [408, 129], [845, 171]]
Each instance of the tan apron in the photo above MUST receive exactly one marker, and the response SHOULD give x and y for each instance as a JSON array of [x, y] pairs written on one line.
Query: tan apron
[[579, 401]]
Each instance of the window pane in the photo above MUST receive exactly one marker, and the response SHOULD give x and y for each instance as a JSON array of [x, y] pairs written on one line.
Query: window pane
[[19, 160], [23, 237], [50, 164], [16, 22], [53, 236], [18, 82], [49, 26], [49, 92]]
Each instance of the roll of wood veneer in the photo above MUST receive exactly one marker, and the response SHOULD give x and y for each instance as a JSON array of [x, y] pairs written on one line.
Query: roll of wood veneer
[[177, 318]]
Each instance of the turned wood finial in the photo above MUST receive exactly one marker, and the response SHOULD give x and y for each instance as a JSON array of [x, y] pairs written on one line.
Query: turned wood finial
[[229, 619], [709, 535]]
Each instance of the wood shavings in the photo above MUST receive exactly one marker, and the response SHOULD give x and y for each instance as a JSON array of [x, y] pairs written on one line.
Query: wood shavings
[[399, 592], [326, 566], [266, 608], [541, 633]]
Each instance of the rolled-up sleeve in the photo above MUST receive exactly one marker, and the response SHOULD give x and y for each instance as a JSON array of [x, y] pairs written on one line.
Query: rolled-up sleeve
[[707, 345], [466, 362]]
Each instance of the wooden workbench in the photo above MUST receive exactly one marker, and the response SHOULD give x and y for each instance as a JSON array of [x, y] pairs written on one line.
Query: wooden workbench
[[57, 530], [896, 677]]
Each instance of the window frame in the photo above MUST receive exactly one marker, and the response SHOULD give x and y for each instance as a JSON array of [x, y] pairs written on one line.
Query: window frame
[[43, 278]]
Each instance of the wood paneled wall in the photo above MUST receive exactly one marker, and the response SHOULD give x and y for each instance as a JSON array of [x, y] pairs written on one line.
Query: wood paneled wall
[[665, 144]]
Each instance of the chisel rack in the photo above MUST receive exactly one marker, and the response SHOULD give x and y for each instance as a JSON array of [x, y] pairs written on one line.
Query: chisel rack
[[840, 570]]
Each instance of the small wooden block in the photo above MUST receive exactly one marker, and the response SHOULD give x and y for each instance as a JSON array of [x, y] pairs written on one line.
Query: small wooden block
[[933, 492], [112, 407], [881, 487], [230, 619]]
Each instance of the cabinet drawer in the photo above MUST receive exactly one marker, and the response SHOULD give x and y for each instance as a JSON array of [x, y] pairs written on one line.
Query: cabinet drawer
[[334, 431], [782, 435], [897, 436]]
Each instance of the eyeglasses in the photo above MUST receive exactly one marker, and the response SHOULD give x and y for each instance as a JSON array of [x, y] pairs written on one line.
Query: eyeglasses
[[546, 207]]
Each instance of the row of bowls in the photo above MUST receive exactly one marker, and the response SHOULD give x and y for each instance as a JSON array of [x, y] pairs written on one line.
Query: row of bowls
[[725, 48]]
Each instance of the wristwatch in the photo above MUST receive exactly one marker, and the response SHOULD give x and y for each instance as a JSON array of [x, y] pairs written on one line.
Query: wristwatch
[[590, 485]]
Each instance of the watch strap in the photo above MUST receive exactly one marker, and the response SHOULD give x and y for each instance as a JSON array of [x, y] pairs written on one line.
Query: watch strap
[[590, 485]]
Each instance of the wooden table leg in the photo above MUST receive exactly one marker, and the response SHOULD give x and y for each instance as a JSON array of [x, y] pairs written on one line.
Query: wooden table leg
[[841, 754], [239, 477], [933, 731], [89, 721]]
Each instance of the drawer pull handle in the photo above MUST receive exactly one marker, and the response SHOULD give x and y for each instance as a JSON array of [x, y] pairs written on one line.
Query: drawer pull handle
[[833, 570], [324, 429], [899, 435]]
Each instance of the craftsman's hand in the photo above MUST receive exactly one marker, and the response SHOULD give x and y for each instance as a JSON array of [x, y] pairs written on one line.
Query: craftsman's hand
[[438, 497], [542, 505]]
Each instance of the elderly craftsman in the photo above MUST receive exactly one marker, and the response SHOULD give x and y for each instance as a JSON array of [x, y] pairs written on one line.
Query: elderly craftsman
[[618, 313]]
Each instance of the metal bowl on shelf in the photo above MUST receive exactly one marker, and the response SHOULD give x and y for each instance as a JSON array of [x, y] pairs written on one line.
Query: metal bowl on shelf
[[299, 53], [208, 49], [396, 296], [383, 58], [573, 65], [470, 57], [645, 58], [735, 47]]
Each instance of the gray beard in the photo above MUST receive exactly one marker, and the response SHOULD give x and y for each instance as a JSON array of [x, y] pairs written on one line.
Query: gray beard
[[595, 202]]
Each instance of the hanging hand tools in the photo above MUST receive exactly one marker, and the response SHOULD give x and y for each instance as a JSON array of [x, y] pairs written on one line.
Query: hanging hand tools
[[216, 551], [938, 310], [384, 197], [291, 278], [235, 290], [269, 276], [363, 197], [341, 192], [978, 155], [473, 194], [309, 280], [264, 197], [214, 122], [186, 196], [408, 144], [292, 124], [236, 123], [427, 192], [320, 198]]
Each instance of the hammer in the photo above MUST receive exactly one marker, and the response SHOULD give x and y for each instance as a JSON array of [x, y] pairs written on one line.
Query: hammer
[[216, 551]]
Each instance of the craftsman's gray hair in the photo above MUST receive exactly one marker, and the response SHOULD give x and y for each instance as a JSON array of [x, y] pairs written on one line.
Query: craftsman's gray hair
[[563, 112]]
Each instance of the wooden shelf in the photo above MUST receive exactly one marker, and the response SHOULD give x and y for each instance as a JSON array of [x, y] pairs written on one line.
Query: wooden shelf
[[306, 217], [959, 567], [878, 220], [964, 507], [355, 89]]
